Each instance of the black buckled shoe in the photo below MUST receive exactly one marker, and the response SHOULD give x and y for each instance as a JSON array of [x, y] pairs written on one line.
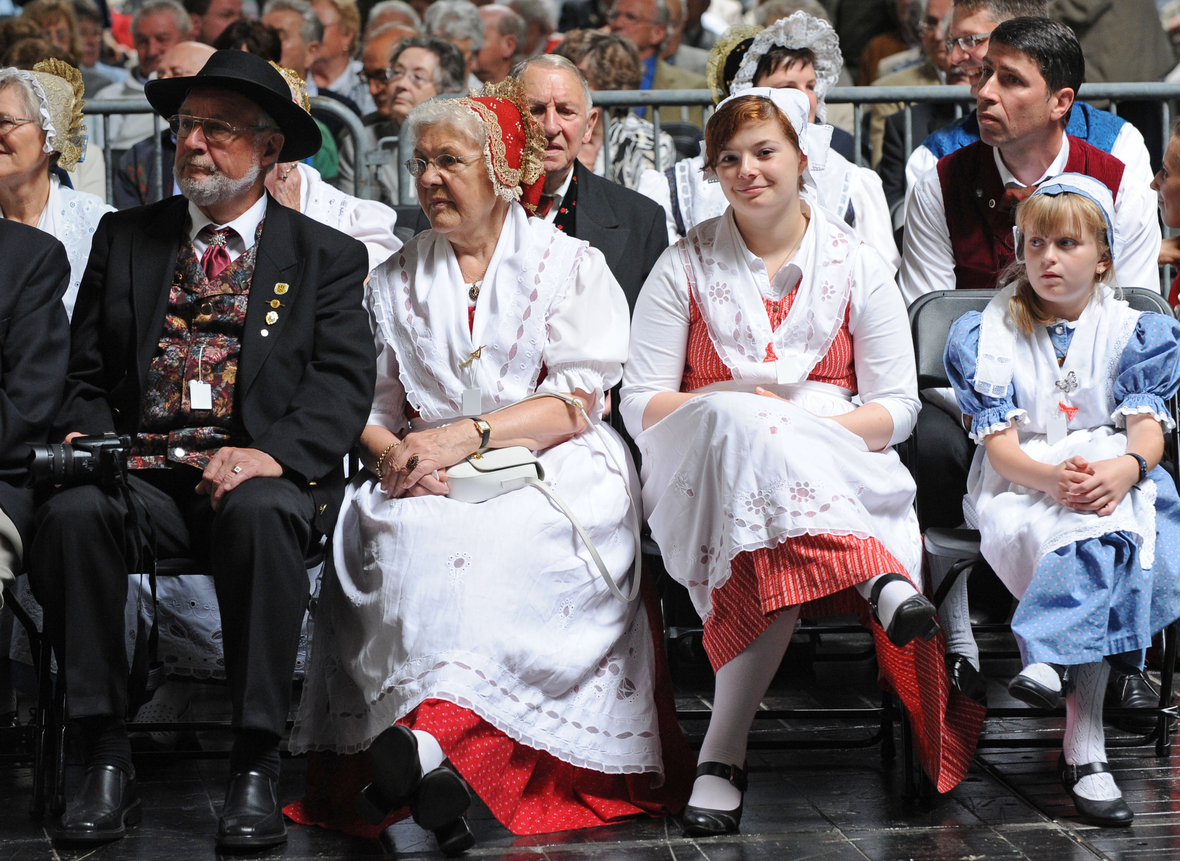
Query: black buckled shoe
[[1035, 694], [106, 803], [1109, 814], [252, 817], [438, 805], [397, 772], [914, 617], [965, 678], [1133, 691], [703, 822]]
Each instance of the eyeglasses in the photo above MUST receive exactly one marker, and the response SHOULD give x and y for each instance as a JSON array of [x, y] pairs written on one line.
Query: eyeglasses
[[629, 17], [215, 131], [446, 163], [967, 42], [9, 124], [383, 76]]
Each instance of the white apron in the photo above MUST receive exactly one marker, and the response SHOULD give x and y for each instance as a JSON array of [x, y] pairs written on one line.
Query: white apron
[[732, 471], [1019, 526]]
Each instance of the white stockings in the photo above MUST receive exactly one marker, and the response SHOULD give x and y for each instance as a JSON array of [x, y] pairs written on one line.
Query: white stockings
[[1085, 739], [954, 614], [430, 752]]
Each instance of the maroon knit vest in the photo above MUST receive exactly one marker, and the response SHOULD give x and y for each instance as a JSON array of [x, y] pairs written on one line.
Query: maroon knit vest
[[979, 223]]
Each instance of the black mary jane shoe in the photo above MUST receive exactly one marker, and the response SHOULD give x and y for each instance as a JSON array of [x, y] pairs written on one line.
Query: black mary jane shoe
[[1035, 694], [1134, 691], [915, 617], [965, 678], [252, 817], [703, 822], [106, 803], [1109, 814], [397, 771], [438, 806]]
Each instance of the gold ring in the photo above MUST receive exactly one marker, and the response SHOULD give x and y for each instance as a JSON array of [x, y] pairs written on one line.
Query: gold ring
[[236, 470], [412, 463]]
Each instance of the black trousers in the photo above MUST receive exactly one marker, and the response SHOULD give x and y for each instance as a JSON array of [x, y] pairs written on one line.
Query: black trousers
[[946, 459], [255, 546]]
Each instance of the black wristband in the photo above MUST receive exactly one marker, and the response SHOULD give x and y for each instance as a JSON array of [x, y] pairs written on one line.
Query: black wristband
[[485, 431], [1142, 464]]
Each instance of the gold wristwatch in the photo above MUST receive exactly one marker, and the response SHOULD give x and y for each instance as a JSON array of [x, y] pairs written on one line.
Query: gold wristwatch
[[485, 432]]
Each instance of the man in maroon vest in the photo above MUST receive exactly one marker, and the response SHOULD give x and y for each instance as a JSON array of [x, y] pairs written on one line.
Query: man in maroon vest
[[958, 230]]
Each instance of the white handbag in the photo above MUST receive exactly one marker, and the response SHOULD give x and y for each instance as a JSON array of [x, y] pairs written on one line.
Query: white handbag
[[495, 471]]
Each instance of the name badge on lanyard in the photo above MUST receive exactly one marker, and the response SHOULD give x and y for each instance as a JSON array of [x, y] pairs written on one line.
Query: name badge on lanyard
[[472, 403]]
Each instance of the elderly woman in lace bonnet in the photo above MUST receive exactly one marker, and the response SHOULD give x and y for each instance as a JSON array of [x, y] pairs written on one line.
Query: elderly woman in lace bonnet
[[485, 633], [41, 129]]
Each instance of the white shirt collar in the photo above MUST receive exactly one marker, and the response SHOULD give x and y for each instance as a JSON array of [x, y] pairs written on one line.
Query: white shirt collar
[[790, 273], [245, 225], [1057, 166], [559, 196]]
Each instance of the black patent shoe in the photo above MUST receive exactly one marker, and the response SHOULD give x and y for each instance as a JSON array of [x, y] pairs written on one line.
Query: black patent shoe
[[703, 822], [1134, 691], [965, 678], [252, 817], [106, 803], [397, 772], [438, 805], [1109, 814], [1034, 693], [915, 617]]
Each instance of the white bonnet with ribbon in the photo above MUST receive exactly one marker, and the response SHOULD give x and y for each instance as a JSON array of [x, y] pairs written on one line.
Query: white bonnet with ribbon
[[798, 30], [814, 140]]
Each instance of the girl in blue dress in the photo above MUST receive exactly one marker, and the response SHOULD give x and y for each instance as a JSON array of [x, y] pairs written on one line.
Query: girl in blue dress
[[1065, 386]]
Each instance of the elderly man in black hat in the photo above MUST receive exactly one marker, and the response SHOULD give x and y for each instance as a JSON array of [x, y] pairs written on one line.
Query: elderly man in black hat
[[226, 336]]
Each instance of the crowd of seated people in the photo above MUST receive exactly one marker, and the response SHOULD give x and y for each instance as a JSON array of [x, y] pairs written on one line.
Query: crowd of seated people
[[414, 421]]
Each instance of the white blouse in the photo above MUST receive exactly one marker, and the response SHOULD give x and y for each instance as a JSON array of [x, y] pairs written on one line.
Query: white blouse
[[368, 221]]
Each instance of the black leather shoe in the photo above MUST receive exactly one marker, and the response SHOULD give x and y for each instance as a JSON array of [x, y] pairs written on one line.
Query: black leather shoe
[[1109, 814], [703, 822], [965, 678], [397, 772], [1034, 693], [105, 805], [438, 805], [1133, 692], [915, 617], [252, 817]]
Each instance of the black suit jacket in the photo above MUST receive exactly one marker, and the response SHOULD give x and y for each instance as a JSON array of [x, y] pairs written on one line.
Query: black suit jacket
[[927, 118], [34, 351], [305, 383], [629, 229]]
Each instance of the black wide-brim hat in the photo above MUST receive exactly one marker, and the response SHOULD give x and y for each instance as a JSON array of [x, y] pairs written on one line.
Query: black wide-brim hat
[[257, 80]]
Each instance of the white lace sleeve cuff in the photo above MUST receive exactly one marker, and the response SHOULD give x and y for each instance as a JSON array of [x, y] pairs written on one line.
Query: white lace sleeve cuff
[[587, 376], [992, 421], [1143, 404]]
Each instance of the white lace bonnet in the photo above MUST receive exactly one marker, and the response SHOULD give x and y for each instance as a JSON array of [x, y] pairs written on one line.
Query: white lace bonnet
[[798, 30], [58, 86], [997, 336]]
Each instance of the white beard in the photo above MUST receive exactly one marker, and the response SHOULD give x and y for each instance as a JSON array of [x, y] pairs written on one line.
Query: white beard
[[216, 187]]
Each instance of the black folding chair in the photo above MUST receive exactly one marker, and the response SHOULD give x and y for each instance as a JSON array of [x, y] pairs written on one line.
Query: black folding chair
[[37, 735], [931, 317]]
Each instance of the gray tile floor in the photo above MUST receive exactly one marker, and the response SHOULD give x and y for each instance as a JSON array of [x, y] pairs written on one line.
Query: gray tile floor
[[809, 803]]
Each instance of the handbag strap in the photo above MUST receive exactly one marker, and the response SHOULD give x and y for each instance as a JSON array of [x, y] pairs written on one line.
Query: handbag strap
[[548, 491]]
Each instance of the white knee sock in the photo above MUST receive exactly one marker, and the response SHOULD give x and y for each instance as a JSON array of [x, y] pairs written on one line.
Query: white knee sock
[[430, 752], [1046, 676], [1085, 740], [741, 684], [955, 614], [891, 597]]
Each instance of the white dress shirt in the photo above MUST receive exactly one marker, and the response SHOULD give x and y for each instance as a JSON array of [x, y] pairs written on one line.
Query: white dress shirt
[[559, 196], [238, 242], [928, 260]]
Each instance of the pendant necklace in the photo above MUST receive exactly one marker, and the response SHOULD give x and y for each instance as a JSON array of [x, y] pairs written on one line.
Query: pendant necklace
[[473, 290]]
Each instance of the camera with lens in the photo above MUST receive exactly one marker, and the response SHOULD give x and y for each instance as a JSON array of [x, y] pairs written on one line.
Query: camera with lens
[[96, 459]]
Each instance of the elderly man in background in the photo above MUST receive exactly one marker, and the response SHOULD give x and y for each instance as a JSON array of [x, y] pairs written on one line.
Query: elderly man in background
[[624, 225], [646, 23], [403, 73], [226, 336], [929, 19], [503, 33], [393, 12], [156, 26], [460, 23], [211, 17], [675, 52], [134, 182], [90, 27], [336, 67], [539, 25]]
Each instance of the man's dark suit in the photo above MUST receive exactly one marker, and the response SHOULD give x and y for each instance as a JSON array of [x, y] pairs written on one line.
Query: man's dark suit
[[628, 228], [303, 391], [34, 350], [927, 118]]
